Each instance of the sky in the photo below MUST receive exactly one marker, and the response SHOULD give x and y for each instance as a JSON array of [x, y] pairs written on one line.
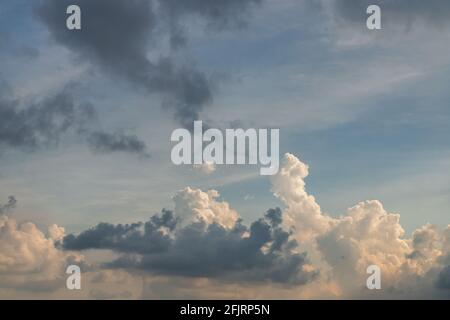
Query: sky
[[86, 176]]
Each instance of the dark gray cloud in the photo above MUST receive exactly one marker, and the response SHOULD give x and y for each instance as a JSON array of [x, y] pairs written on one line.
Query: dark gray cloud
[[117, 141], [116, 36], [43, 123], [261, 252], [138, 237], [220, 14], [11, 204], [405, 12], [217, 14]]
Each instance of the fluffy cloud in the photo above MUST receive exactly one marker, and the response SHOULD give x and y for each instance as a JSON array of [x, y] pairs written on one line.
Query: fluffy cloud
[[366, 235], [302, 211], [29, 259], [194, 205], [205, 168]]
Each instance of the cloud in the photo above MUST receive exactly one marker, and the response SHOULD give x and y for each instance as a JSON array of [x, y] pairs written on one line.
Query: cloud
[[302, 211], [205, 238], [265, 255], [298, 249], [165, 246], [29, 259], [148, 237], [113, 142], [44, 123], [366, 235], [218, 15], [195, 205], [122, 48], [205, 168], [11, 204]]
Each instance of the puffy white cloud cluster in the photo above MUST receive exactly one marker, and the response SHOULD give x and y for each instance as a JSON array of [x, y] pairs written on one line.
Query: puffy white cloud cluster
[[29, 258], [366, 235], [194, 205], [302, 211]]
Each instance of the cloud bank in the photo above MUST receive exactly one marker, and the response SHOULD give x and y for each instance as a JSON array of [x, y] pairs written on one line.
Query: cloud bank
[[206, 247], [299, 250]]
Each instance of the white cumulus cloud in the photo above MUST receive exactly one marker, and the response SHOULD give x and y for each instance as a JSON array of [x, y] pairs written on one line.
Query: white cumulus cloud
[[195, 205]]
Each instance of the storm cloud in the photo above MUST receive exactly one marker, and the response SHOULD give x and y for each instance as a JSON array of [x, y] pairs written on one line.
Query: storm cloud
[[261, 252], [117, 35]]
